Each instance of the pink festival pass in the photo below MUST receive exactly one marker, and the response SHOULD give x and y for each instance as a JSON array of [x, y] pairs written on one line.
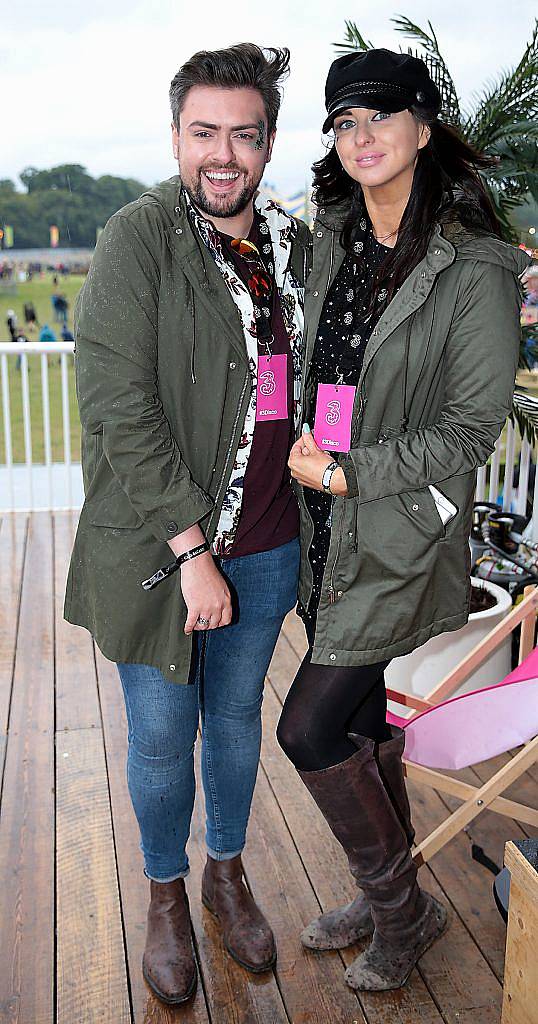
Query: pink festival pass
[[334, 409], [272, 390]]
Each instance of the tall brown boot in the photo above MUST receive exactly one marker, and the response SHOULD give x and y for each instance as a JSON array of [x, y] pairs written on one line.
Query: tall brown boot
[[357, 808], [349, 924], [246, 934], [168, 965]]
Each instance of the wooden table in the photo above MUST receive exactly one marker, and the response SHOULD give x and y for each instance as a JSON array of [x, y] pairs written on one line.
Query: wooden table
[[520, 1001]]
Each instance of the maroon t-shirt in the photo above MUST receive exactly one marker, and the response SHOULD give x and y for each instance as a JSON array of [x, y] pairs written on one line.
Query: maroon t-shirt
[[269, 514]]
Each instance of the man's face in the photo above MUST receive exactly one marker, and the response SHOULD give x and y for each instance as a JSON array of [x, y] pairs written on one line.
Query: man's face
[[222, 148]]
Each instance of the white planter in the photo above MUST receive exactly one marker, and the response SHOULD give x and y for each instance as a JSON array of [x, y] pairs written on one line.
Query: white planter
[[421, 670]]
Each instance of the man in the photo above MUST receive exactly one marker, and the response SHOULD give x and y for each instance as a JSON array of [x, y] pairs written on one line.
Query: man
[[188, 338]]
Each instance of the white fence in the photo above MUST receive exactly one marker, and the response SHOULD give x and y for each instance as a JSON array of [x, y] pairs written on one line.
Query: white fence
[[29, 484], [51, 485]]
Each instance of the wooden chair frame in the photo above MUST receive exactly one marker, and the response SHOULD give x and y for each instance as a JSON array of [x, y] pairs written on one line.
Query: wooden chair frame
[[476, 798]]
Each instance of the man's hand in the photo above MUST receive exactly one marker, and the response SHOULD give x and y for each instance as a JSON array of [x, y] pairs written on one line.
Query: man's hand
[[308, 464], [206, 594], [204, 589]]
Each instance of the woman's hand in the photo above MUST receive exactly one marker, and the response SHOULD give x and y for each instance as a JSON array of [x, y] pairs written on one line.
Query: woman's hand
[[308, 464]]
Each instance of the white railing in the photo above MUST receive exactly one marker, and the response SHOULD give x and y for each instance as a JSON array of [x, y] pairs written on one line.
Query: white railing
[[60, 484], [495, 481]]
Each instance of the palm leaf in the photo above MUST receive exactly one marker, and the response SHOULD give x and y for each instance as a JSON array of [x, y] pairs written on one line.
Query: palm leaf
[[513, 98], [353, 40], [436, 65], [525, 414], [528, 353]]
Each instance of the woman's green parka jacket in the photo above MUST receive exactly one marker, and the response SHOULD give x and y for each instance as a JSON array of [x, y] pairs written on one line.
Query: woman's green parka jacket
[[435, 389]]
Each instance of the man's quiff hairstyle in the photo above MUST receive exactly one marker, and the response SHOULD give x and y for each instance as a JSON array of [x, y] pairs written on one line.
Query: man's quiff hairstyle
[[238, 67]]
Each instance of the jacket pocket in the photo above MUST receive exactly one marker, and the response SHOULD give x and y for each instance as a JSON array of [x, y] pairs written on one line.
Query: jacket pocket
[[420, 508], [115, 511]]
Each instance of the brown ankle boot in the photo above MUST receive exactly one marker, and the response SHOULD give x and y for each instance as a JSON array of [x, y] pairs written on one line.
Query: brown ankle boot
[[168, 965], [346, 925], [360, 813], [246, 934]]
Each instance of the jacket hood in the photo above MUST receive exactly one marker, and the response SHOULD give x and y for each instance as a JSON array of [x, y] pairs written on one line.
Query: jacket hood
[[467, 244], [487, 249]]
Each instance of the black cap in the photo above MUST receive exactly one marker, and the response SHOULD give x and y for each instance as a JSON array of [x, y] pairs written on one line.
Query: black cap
[[379, 80]]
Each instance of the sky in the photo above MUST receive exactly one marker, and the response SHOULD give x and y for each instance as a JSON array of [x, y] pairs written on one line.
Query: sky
[[88, 83]]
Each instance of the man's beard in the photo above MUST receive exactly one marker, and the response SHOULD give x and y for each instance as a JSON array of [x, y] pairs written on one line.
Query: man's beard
[[225, 207]]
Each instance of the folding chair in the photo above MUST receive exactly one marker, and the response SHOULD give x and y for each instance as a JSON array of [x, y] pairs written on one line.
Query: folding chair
[[453, 733]]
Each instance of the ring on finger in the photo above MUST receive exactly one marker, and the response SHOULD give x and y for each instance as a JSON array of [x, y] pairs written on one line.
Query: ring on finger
[[202, 621]]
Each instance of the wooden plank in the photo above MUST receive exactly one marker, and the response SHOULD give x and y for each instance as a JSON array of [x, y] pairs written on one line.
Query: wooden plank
[[233, 994], [134, 887], [458, 977], [312, 986], [520, 1001], [490, 832], [92, 978], [13, 530], [77, 704], [326, 866], [27, 820]]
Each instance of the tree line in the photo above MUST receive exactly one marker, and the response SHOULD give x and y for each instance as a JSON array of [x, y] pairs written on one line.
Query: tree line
[[66, 196]]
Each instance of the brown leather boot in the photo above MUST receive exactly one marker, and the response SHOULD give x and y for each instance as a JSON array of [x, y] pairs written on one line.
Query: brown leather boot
[[349, 924], [360, 813], [246, 934], [168, 965]]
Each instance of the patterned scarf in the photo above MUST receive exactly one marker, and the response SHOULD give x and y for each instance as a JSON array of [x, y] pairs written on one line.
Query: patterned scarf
[[278, 230]]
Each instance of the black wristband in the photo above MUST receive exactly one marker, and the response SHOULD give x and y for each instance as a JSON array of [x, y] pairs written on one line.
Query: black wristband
[[167, 570]]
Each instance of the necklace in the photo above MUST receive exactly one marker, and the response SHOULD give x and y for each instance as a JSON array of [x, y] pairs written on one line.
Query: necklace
[[384, 239]]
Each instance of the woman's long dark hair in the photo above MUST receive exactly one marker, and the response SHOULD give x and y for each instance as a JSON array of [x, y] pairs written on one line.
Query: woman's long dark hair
[[446, 178]]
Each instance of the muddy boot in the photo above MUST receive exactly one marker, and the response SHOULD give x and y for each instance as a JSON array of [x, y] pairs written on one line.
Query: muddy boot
[[246, 934], [169, 966], [392, 953], [346, 925], [357, 808]]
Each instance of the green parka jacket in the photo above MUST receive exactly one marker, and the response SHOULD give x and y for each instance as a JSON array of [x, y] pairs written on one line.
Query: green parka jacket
[[435, 389], [163, 386]]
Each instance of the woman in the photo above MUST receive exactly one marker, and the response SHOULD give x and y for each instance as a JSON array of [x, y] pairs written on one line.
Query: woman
[[412, 346]]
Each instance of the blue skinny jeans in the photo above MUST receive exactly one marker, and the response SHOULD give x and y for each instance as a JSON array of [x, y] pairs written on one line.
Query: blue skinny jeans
[[226, 698]]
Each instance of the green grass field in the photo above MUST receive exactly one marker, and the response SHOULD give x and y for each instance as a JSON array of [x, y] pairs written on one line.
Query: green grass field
[[39, 291]]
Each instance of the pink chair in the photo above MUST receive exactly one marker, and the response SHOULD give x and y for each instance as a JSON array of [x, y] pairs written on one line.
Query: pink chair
[[453, 733]]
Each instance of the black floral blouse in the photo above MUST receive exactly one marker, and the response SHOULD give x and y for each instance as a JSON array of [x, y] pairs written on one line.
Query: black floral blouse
[[345, 326]]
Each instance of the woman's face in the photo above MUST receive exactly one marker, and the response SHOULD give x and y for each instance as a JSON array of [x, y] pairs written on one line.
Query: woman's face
[[376, 148]]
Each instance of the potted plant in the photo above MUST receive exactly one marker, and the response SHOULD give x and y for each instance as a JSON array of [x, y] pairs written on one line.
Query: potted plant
[[421, 670]]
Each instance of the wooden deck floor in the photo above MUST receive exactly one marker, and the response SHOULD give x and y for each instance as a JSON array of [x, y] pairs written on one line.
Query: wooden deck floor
[[73, 897]]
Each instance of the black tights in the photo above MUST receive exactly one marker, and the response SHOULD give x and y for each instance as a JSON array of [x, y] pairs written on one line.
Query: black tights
[[324, 704]]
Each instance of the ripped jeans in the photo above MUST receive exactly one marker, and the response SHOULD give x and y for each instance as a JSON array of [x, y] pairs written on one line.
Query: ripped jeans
[[226, 697]]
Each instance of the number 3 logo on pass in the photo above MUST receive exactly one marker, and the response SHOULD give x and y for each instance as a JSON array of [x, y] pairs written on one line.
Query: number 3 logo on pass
[[334, 410]]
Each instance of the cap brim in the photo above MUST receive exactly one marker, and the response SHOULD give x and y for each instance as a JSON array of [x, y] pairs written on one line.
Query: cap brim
[[373, 101]]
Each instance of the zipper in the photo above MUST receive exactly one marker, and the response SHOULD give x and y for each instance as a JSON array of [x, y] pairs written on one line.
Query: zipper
[[306, 331], [331, 264], [331, 588], [228, 453]]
